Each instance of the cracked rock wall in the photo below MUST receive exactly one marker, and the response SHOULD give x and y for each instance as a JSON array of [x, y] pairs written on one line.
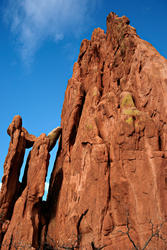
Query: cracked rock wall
[[110, 175], [108, 188]]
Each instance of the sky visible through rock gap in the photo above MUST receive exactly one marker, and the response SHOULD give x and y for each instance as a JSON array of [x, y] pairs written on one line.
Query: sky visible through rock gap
[[39, 44]]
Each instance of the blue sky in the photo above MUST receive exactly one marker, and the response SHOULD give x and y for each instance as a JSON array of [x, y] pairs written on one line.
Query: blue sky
[[40, 41]]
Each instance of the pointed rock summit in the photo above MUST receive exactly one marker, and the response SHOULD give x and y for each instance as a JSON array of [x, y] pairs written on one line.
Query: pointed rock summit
[[108, 188]]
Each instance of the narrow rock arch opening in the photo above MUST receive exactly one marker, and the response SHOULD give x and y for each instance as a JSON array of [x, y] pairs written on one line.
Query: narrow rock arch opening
[[53, 155], [22, 170]]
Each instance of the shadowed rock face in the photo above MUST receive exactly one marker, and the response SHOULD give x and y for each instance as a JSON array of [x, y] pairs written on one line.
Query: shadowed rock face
[[108, 188]]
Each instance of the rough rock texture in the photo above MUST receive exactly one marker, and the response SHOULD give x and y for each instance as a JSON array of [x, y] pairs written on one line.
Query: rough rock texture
[[108, 188], [109, 183], [10, 190], [53, 136], [23, 230], [21, 205]]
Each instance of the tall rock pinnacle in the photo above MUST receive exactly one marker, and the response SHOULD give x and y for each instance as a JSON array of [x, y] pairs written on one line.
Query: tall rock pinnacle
[[108, 188]]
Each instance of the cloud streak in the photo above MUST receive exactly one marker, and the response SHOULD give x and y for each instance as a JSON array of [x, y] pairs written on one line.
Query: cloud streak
[[34, 21]]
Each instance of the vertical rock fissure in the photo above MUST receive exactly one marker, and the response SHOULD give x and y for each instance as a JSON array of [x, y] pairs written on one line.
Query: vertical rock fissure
[[159, 141], [101, 76], [75, 126], [109, 186], [24, 179], [109, 190], [10, 244], [79, 235], [52, 200], [118, 82]]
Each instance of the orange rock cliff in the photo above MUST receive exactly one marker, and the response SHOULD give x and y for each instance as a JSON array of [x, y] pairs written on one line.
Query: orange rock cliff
[[108, 188]]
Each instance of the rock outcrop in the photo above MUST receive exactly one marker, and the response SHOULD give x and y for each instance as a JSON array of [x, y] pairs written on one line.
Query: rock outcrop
[[53, 137], [11, 187], [21, 205], [108, 188], [23, 230]]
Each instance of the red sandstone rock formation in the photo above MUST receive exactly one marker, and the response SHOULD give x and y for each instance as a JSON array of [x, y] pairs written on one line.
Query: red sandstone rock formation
[[108, 188], [109, 183], [20, 139], [23, 230], [21, 204]]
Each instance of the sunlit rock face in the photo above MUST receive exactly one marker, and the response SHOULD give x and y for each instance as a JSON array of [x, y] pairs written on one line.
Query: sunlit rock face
[[11, 187], [108, 188], [109, 183], [21, 205]]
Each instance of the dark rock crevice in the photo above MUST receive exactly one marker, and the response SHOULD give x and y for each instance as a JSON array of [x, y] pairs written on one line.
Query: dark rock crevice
[[79, 234], [54, 190], [111, 157], [76, 119]]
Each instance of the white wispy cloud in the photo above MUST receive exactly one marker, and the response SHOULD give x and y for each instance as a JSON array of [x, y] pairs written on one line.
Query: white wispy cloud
[[33, 21]]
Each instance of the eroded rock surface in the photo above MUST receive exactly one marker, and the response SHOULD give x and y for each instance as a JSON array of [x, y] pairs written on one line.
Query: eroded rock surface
[[109, 180], [108, 188], [21, 205], [10, 190], [23, 230]]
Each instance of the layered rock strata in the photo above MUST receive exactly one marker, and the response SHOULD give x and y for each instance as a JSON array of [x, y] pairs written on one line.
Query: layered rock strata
[[108, 188]]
